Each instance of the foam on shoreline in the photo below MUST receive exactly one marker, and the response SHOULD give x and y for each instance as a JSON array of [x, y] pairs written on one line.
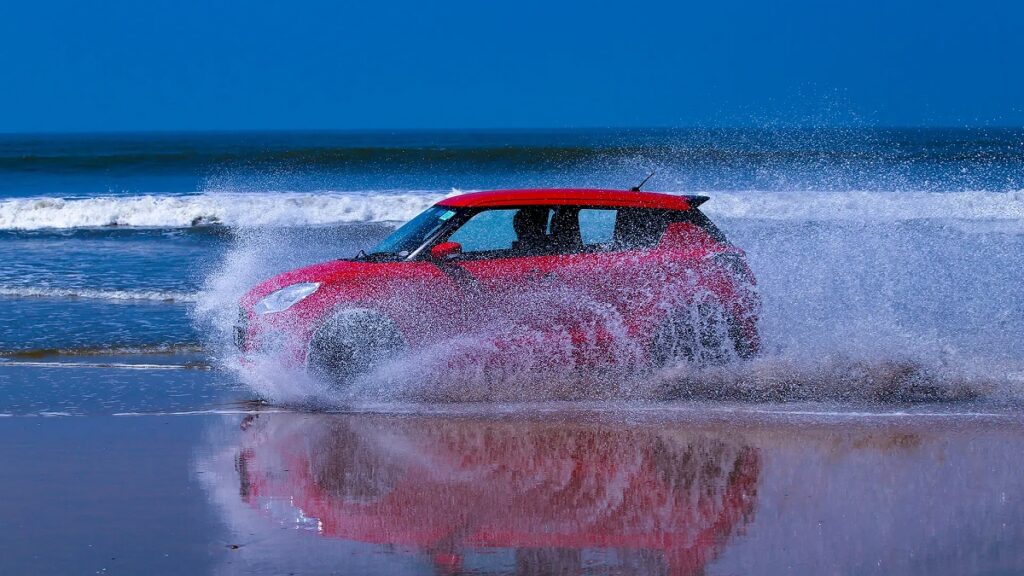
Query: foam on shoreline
[[284, 209], [94, 294]]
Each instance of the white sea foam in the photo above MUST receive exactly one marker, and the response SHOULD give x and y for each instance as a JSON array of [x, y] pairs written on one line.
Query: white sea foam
[[103, 365], [257, 209], [868, 206], [322, 208], [95, 294], [210, 412]]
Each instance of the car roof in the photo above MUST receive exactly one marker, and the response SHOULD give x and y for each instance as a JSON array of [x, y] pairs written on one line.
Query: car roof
[[575, 197]]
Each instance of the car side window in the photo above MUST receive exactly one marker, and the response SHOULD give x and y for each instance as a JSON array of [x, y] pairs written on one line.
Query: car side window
[[597, 226], [538, 230], [487, 231]]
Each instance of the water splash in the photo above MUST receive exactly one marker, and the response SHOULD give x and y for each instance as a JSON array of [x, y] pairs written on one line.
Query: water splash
[[885, 297]]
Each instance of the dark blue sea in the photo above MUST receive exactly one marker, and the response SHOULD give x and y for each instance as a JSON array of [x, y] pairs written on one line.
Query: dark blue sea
[[867, 242]]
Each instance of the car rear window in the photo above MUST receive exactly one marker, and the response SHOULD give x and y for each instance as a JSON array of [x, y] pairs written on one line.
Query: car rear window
[[620, 228], [643, 228]]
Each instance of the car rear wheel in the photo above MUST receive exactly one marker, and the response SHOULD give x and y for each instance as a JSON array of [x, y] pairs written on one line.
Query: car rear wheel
[[699, 335], [351, 343]]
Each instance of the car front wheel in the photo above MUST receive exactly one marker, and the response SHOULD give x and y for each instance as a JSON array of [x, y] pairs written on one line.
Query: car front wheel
[[351, 343]]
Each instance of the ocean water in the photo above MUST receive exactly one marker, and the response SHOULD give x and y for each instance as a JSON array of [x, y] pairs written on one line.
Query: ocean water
[[889, 263], [879, 253]]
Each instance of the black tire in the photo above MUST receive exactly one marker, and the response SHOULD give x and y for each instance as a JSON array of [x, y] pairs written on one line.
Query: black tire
[[352, 342], [700, 335]]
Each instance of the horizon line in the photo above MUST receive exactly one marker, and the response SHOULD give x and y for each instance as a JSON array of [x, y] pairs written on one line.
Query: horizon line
[[497, 129]]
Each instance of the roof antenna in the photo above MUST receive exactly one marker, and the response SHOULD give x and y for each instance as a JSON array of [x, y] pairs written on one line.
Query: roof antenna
[[642, 182]]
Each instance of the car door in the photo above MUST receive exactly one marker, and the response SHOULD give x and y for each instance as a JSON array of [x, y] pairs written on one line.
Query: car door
[[503, 280], [607, 262], [492, 254]]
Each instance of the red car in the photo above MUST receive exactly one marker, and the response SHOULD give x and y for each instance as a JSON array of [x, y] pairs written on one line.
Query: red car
[[590, 273]]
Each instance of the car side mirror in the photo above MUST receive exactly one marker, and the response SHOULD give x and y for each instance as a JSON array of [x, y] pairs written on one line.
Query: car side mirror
[[445, 251]]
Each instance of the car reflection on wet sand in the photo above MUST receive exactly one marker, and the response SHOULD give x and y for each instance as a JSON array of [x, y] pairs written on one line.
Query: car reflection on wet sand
[[549, 491], [573, 495]]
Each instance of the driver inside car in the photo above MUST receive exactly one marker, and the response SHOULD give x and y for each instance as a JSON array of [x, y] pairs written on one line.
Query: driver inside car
[[530, 225]]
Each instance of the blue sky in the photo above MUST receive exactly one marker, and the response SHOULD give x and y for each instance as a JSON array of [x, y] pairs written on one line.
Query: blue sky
[[260, 64]]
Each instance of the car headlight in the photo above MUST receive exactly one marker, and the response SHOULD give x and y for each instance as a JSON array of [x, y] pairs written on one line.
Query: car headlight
[[285, 298]]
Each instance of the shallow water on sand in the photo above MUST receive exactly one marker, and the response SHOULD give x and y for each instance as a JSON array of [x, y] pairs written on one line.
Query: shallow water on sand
[[626, 494], [167, 470], [147, 484]]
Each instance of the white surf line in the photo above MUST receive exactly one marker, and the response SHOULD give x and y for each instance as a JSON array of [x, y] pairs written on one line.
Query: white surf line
[[477, 410], [698, 409], [861, 414], [205, 412], [113, 365], [94, 294], [483, 410], [154, 211], [45, 414]]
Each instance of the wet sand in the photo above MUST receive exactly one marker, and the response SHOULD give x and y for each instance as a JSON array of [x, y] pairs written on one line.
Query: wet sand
[[167, 472]]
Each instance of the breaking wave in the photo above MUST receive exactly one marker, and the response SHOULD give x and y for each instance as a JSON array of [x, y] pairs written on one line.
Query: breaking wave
[[870, 206], [97, 294], [1000, 210], [89, 351], [241, 210]]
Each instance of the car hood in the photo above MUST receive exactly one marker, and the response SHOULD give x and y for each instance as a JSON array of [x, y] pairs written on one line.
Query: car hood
[[333, 273]]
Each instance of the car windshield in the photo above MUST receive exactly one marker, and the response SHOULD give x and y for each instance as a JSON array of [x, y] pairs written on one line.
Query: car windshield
[[413, 233]]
